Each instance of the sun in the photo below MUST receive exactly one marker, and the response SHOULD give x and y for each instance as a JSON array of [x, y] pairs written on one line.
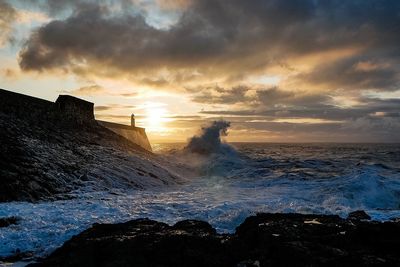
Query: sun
[[156, 118]]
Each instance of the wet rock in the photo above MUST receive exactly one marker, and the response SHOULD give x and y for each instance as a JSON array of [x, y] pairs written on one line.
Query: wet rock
[[18, 256], [358, 215], [195, 227], [4, 222], [141, 242], [262, 240]]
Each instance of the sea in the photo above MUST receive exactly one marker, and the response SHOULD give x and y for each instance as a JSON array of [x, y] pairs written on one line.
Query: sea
[[223, 188]]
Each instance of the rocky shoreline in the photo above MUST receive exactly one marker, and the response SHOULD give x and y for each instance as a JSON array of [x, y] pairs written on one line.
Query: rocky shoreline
[[261, 240]]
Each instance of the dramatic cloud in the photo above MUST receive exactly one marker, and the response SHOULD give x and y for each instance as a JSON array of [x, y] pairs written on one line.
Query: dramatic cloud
[[366, 107], [112, 107], [89, 90], [221, 36], [355, 74], [9, 73], [97, 90], [318, 67], [129, 94], [259, 97], [219, 95], [102, 108], [7, 17]]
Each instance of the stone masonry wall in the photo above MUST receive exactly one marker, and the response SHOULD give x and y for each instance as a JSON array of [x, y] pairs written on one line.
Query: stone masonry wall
[[136, 135]]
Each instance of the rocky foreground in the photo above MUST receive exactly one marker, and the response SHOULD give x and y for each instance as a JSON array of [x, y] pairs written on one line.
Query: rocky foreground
[[5, 222], [44, 156], [262, 240]]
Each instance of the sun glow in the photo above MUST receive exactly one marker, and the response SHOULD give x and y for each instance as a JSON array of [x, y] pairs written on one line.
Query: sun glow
[[156, 117]]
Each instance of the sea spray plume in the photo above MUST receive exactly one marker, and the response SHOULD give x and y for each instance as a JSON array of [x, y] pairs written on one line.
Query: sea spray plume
[[209, 140]]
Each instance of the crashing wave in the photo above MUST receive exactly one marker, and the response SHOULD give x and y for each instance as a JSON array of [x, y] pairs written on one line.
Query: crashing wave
[[209, 140]]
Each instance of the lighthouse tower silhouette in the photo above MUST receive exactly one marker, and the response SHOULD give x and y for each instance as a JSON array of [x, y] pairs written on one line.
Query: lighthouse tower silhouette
[[133, 120]]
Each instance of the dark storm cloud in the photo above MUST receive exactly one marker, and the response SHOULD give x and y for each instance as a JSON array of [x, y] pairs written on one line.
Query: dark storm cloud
[[275, 96], [359, 130], [125, 42], [155, 82], [355, 73], [327, 113], [57, 7], [259, 97], [368, 107], [7, 12], [234, 36], [219, 95], [373, 120]]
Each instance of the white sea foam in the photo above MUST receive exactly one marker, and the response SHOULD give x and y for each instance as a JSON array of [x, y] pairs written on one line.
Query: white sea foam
[[224, 189]]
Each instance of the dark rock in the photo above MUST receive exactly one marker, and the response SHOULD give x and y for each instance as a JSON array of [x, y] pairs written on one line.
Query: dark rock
[[262, 240], [195, 227], [4, 222], [358, 215], [17, 256], [140, 243]]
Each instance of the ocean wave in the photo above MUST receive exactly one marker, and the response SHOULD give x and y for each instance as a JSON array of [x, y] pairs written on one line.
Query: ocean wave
[[223, 189]]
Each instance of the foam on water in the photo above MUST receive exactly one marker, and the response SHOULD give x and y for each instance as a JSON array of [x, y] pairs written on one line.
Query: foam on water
[[224, 189]]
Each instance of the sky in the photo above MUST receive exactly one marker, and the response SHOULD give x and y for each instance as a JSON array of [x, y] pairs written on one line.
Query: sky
[[278, 71]]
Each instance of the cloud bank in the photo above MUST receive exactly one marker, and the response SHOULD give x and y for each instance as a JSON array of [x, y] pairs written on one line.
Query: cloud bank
[[336, 61]]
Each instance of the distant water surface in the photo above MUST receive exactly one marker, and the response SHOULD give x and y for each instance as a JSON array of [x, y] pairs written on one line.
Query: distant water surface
[[223, 189]]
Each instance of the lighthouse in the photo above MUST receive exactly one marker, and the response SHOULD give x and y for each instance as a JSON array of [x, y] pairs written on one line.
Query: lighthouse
[[133, 120]]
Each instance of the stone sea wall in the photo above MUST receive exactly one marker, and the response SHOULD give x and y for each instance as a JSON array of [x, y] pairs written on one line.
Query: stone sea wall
[[66, 111], [136, 135], [23, 106]]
